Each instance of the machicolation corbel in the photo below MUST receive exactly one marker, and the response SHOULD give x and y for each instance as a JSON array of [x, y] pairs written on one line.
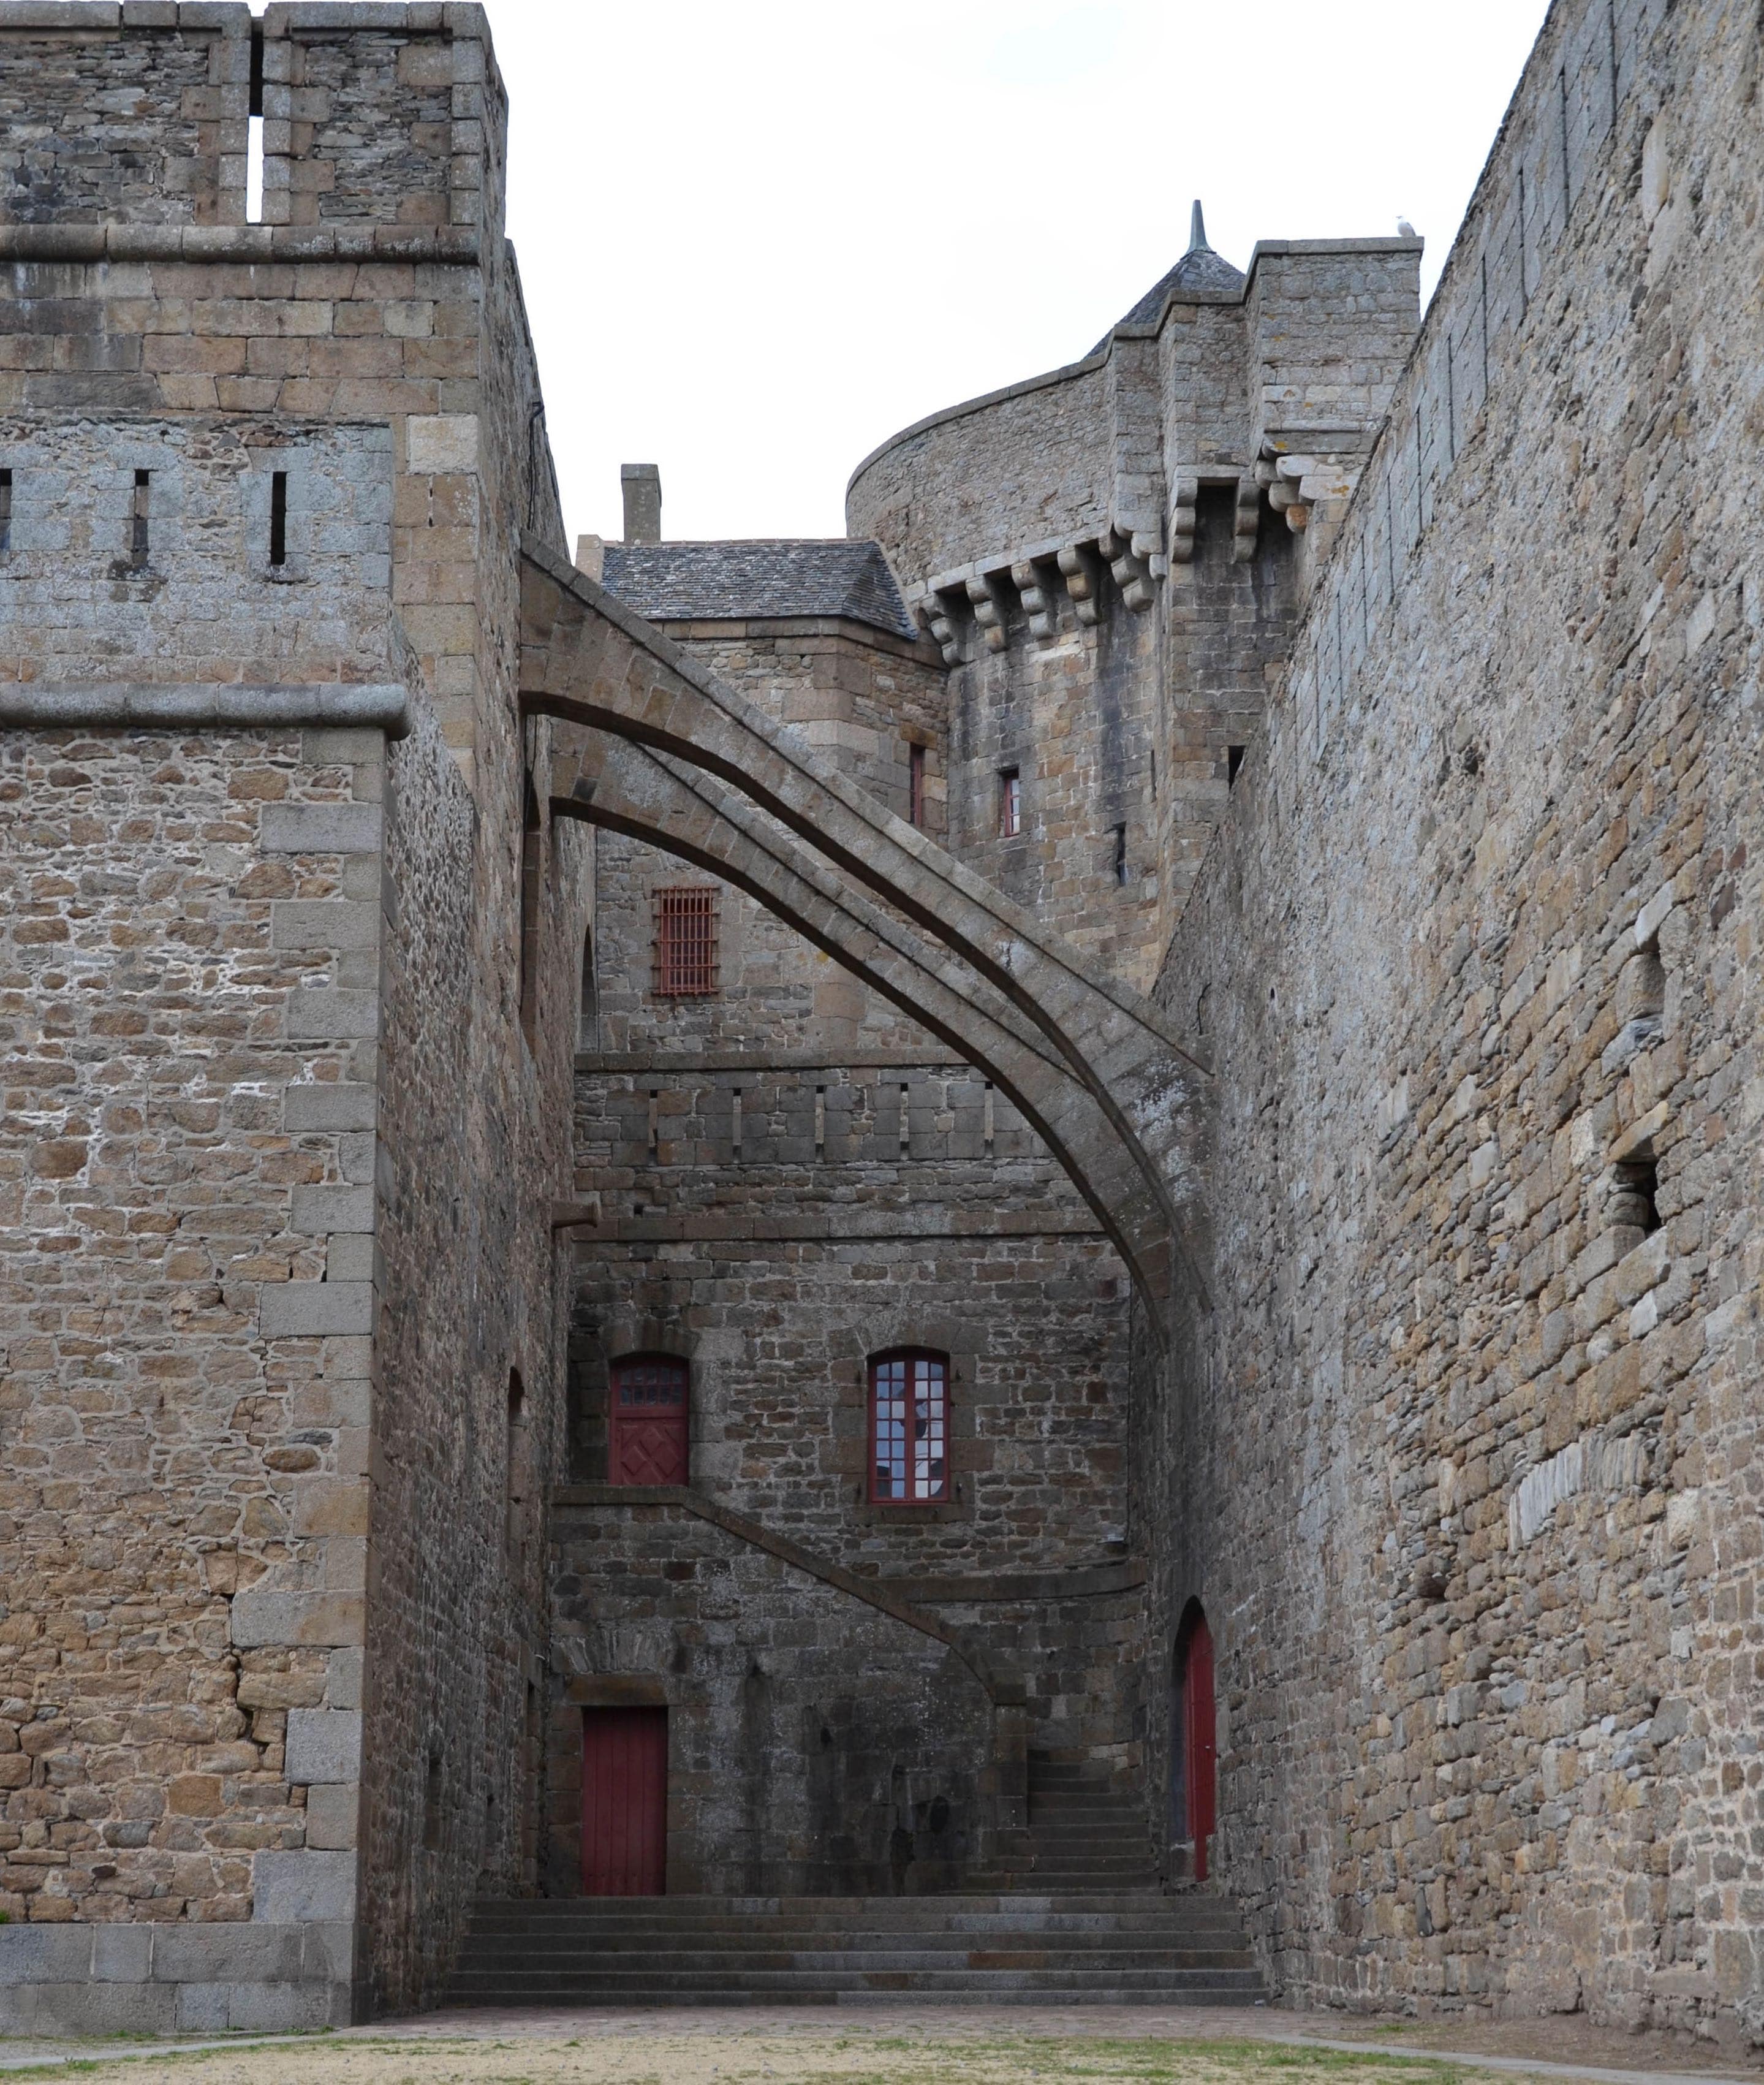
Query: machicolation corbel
[[1246, 520], [1185, 496], [1037, 600], [1077, 561], [991, 611], [1131, 565]]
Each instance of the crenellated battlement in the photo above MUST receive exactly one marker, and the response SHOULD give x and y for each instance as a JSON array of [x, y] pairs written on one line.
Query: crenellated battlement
[[126, 128]]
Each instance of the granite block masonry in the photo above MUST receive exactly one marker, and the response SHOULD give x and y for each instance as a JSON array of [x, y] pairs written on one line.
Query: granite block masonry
[[1221, 916]]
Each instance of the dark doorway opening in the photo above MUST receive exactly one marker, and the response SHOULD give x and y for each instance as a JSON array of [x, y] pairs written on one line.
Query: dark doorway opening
[[624, 1802], [1194, 1740]]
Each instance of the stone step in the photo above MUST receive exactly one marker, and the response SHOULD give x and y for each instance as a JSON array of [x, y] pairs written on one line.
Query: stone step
[[663, 1996], [1214, 1934], [1078, 1913], [1132, 1946], [620, 1984], [1119, 1965], [989, 1904], [1224, 1949]]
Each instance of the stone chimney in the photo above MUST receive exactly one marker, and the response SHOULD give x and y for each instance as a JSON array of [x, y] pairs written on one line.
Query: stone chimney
[[641, 484]]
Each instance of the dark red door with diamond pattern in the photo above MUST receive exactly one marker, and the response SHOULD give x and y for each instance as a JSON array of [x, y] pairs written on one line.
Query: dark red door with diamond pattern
[[651, 1408]]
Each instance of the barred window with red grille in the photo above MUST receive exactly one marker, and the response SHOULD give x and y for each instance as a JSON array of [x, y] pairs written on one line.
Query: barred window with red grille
[[686, 942]]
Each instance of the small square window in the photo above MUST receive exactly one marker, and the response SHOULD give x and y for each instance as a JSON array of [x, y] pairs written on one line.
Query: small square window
[[1010, 803], [685, 965]]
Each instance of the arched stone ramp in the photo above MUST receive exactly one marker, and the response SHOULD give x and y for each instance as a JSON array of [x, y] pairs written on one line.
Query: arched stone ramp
[[686, 764], [628, 790]]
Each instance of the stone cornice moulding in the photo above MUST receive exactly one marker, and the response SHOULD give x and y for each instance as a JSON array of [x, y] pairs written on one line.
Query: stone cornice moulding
[[185, 706], [246, 244]]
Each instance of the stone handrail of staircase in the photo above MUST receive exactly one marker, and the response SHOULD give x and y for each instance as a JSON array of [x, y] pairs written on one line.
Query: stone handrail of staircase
[[1004, 1689]]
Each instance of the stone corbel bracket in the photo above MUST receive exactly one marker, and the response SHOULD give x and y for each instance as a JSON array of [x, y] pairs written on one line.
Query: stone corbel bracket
[[1078, 566], [936, 611], [1134, 555], [1186, 492], [1185, 496], [1296, 483], [992, 613], [1283, 478], [1038, 598], [1129, 559], [1246, 520]]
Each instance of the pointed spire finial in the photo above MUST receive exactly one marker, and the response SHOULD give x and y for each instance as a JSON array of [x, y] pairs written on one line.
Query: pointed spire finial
[[1196, 230]]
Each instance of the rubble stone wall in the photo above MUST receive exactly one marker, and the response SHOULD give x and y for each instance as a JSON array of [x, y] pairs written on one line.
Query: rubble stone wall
[[1027, 465], [1467, 1474], [184, 1405], [817, 1746], [297, 1008], [777, 1281]]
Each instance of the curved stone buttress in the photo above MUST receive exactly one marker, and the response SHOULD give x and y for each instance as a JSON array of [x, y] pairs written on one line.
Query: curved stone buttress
[[1104, 1078]]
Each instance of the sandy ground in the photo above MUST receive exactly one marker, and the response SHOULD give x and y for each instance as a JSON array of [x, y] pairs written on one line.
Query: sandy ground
[[894, 2044]]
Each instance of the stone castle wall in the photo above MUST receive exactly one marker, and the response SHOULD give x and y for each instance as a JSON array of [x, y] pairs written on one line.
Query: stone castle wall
[[1437, 772], [284, 1052], [1467, 1472], [791, 1176]]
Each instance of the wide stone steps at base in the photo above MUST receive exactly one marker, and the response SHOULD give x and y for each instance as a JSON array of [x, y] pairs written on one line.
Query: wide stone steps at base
[[1128, 1947]]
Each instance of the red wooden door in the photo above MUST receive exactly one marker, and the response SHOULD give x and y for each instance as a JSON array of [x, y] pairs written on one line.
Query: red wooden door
[[1201, 1735], [650, 1441], [624, 1802]]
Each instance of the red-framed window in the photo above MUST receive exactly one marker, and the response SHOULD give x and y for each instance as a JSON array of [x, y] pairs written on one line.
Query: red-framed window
[[685, 940], [1010, 803], [649, 1421], [909, 1427]]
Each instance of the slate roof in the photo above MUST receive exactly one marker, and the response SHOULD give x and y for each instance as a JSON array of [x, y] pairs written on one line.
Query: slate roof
[[739, 581], [1199, 269]]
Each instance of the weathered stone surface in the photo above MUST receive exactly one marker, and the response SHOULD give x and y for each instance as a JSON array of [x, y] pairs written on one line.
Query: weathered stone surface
[[1395, 711]]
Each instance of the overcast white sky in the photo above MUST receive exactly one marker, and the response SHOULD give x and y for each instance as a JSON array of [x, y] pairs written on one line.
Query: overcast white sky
[[757, 236]]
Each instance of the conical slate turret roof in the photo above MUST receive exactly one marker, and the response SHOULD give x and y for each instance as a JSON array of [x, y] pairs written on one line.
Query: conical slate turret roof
[[1199, 269]]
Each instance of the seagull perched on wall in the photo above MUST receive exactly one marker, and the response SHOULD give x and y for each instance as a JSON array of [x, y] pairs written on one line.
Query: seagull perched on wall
[[1406, 229]]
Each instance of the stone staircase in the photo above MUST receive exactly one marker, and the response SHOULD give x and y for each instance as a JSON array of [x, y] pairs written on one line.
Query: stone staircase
[[1086, 1832], [1131, 1947]]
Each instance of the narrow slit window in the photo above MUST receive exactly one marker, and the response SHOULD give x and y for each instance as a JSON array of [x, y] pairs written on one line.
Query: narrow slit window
[[254, 133], [278, 517], [1234, 760], [1121, 854], [1010, 803], [909, 1428], [915, 785], [685, 953], [6, 510], [139, 509]]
